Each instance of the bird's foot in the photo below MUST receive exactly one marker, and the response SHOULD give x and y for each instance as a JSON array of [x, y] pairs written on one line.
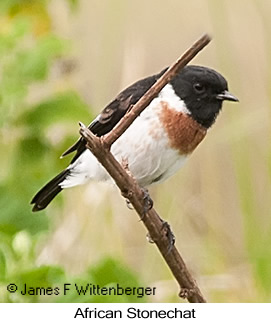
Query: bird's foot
[[166, 230], [169, 234], [148, 202]]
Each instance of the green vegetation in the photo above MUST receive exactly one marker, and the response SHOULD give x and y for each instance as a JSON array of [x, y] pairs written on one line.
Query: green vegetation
[[29, 158]]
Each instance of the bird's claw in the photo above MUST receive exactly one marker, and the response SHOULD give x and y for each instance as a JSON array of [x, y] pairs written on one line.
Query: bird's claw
[[169, 234], [148, 202]]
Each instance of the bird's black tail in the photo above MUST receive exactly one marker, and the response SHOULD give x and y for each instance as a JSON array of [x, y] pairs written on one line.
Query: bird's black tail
[[49, 191]]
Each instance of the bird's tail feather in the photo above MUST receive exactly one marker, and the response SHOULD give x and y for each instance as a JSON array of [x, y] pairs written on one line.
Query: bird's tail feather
[[49, 191]]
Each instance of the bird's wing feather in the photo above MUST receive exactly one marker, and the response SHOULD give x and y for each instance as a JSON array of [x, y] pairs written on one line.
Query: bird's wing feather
[[114, 111]]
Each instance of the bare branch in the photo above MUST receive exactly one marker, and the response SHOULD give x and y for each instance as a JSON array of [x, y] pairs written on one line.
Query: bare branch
[[130, 189]]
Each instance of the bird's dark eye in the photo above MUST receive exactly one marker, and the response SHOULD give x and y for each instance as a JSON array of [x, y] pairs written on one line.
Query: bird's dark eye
[[199, 88]]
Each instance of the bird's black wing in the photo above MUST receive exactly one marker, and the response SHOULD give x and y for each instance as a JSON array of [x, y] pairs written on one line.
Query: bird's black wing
[[114, 111]]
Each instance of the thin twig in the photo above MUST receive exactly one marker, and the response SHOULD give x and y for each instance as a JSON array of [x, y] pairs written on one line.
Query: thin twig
[[130, 188]]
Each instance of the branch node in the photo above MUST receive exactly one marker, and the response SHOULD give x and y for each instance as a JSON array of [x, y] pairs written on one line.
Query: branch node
[[149, 238], [125, 164], [82, 125], [106, 145], [186, 293], [127, 193]]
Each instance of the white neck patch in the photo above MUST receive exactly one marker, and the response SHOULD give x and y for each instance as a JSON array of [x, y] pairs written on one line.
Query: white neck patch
[[175, 102]]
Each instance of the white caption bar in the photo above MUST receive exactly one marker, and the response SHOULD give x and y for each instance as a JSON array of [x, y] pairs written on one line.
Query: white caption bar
[[164, 312]]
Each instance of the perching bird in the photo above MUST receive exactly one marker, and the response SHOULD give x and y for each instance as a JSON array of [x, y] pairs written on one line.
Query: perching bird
[[159, 141]]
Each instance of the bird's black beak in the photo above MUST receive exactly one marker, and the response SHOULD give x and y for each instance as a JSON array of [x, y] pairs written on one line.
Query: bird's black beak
[[226, 95]]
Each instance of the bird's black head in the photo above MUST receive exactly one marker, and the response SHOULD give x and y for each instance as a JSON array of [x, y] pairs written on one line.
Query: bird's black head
[[203, 91]]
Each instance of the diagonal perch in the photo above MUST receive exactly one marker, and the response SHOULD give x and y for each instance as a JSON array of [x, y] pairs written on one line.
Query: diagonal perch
[[129, 187]]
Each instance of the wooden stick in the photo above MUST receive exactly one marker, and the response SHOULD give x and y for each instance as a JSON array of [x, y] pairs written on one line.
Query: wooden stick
[[158, 231]]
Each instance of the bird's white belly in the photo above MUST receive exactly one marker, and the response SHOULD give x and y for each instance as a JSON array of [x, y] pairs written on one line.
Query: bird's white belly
[[146, 149]]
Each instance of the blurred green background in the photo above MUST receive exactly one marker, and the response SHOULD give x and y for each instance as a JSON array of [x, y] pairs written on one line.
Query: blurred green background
[[60, 62]]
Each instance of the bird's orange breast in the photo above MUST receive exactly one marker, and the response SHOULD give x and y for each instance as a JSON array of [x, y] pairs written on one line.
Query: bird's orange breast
[[183, 131]]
